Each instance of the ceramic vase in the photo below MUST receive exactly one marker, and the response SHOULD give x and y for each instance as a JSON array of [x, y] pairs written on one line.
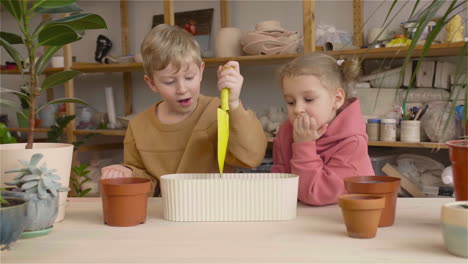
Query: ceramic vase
[[228, 42], [124, 200], [12, 218], [458, 151], [454, 224], [377, 185], [361, 213]]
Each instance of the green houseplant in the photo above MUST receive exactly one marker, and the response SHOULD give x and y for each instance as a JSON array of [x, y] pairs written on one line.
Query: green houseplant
[[40, 187], [50, 35]]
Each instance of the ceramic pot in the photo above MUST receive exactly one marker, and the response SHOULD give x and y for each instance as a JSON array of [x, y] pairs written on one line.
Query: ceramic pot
[[228, 42], [40, 213], [377, 185], [458, 151], [454, 224], [124, 200], [361, 213], [57, 156], [12, 219]]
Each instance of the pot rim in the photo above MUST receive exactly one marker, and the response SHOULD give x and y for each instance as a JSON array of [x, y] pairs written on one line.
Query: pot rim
[[384, 184], [371, 201], [459, 143], [36, 146]]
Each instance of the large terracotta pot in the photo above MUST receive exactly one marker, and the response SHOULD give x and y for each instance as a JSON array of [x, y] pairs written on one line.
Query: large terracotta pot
[[361, 213], [454, 224], [57, 156], [458, 150], [124, 200], [377, 185]]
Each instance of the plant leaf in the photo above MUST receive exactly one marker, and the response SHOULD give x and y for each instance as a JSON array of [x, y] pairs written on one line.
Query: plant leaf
[[35, 159], [11, 37], [43, 61], [82, 22], [58, 78], [57, 35], [85, 192], [52, 3], [28, 185], [41, 190], [15, 55], [63, 100], [4, 90], [13, 7], [53, 192], [73, 8], [32, 190], [31, 177], [13, 105]]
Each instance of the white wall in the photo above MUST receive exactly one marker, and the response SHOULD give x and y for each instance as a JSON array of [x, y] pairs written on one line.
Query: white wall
[[260, 87]]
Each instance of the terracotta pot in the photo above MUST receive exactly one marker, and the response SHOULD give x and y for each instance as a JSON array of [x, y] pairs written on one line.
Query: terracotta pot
[[454, 225], [381, 185], [361, 213], [124, 200], [458, 150]]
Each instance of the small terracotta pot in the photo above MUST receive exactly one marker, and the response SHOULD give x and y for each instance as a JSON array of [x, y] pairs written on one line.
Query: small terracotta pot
[[458, 150], [377, 185], [361, 213], [124, 200], [454, 224]]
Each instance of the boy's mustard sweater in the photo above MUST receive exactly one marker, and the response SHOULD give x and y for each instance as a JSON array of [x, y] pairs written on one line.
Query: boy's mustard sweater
[[153, 149]]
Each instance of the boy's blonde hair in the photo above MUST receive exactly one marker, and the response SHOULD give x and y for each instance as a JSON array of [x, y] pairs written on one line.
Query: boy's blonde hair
[[166, 44], [324, 67]]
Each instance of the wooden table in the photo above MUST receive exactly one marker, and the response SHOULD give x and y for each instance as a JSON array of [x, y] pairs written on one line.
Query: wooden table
[[316, 235]]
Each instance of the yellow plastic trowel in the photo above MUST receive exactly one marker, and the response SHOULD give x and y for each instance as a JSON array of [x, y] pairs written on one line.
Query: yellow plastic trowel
[[223, 128]]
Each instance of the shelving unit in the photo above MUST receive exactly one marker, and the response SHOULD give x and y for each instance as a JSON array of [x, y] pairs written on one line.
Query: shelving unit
[[453, 49]]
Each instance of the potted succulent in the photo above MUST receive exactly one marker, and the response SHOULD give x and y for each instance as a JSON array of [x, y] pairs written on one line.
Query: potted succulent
[[50, 35], [12, 217], [40, 187]]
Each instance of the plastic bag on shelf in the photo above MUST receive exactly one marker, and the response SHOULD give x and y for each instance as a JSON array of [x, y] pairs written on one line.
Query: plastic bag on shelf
[[435, 120], [424, 95], [328, 33]]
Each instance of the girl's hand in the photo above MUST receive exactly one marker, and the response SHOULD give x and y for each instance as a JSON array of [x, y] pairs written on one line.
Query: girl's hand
[[229, 77], [116, 171], [305, 129]]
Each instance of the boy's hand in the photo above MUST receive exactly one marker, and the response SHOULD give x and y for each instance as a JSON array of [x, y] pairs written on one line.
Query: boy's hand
[[229, 77], [116, 171], [305, 129]]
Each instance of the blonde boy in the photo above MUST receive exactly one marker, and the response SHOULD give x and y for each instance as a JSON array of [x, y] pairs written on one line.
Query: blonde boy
[[179, 133]]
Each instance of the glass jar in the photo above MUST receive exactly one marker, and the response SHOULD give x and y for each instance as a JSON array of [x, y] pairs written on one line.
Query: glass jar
[[373, 129], [388, 130]]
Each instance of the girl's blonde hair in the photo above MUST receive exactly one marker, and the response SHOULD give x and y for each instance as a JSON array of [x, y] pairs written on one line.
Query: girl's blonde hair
[[324, 67], [166, 44]]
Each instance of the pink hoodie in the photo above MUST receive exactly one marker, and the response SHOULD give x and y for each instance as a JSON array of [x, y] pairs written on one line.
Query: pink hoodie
[[322, 164]]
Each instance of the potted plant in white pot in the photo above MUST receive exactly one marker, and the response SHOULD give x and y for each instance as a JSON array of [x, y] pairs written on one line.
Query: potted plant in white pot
[[39, 186], [53, 34], [12, 217]]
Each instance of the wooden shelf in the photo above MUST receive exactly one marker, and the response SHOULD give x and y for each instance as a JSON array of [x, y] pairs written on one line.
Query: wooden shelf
[[36, 130], [436, 50], [450, 49], [105, 132], [431, 145]]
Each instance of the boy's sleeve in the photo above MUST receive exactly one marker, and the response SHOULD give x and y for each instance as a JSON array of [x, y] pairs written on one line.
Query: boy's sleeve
[[247, 141], [132, 159], [319, 183]]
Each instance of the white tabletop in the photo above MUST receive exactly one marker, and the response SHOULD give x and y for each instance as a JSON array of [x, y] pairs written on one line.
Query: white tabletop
[[317, 235]]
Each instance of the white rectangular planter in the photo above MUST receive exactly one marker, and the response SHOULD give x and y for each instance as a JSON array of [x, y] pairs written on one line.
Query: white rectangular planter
[[232, 197]]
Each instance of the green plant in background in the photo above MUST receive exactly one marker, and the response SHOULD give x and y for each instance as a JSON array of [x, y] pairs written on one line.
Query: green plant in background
[[56, 131], [80, 177], [53, 34], [2, 200], [36, 180], [429, 13], [5, 136]]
